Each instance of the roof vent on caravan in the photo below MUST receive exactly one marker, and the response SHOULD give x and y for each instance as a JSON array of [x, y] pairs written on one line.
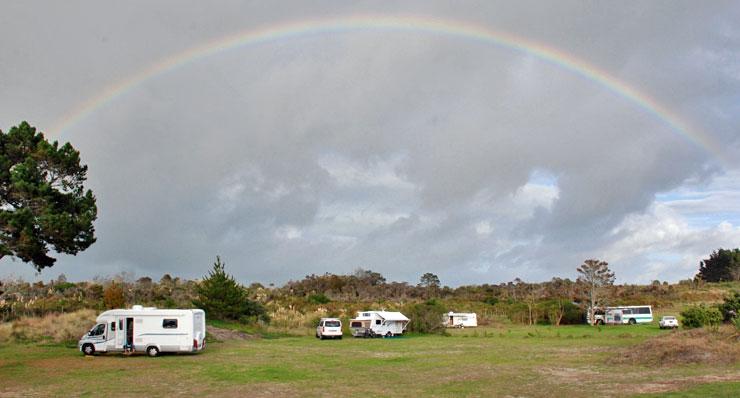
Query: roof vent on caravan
[[137, 307]]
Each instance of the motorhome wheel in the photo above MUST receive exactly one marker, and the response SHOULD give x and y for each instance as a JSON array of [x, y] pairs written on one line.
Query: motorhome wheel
[[152, 351], [88, 349], [389, 334]]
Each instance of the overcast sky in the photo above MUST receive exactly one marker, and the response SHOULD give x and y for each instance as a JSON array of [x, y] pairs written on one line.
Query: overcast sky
[[401, 151]]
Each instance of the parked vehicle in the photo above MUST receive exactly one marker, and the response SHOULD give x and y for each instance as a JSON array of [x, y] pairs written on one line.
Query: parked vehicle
[[146, 329], [668, 322], [329, 328], [378, 324], [630, 314], [461, 320]]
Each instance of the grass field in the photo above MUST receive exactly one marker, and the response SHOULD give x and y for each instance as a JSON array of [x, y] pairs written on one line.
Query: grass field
[[568, 361]]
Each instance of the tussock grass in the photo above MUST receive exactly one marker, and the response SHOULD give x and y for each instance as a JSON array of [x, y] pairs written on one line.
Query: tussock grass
[[57, 328]]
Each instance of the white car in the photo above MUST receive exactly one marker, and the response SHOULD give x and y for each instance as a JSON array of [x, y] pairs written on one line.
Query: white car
[[329, 328], [668, 322]]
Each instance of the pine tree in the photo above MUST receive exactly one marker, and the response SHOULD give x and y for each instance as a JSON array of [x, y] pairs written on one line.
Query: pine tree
[[722, 265], [221, 297]]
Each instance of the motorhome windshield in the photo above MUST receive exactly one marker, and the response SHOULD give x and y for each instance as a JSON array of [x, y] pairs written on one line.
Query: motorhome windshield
[[97, 330]]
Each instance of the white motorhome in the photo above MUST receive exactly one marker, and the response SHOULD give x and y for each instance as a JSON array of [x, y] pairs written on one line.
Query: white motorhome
[[378, 324], [146, 329], [461, 320]]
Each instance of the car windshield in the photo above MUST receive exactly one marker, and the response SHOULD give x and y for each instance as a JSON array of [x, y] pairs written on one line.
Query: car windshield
[[332, 324]]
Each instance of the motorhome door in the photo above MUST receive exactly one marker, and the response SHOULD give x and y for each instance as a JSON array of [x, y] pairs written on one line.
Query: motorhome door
[[111, 336], [120, 332]]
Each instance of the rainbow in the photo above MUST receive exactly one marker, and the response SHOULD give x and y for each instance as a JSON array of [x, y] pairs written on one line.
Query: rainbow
[[453, 28]]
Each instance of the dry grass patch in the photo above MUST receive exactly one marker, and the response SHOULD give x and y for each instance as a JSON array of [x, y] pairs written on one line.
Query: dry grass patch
[[694, 346], [58, 328], [229, 334]]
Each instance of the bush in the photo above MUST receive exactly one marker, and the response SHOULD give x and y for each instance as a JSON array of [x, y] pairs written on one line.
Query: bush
[[113, 296], [318, 299], [731, 307], [701, 315], [426, 317]]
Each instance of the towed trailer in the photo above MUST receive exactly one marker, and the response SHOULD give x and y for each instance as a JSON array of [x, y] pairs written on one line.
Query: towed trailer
[[378, 324]]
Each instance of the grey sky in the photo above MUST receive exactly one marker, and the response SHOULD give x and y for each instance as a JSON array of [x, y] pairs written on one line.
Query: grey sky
[[403, 152]]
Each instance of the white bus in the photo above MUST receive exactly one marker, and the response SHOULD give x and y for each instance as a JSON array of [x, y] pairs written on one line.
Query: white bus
[[626, 314]]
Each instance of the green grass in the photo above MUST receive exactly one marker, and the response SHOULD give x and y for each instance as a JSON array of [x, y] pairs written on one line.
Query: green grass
[[515, 361]]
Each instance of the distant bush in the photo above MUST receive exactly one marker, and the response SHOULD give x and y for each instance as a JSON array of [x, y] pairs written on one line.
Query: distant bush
[[113, 296], [491, 300], [701, 315], [426, 317], [730, 308], [319, 298]]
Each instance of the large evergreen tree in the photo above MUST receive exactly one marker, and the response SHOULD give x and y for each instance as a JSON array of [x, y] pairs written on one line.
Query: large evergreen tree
[[43, 203], [722, 265], [221, 297]]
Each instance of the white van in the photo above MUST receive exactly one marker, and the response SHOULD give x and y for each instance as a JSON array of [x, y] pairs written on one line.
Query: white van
[[330, 328], [146, 329]]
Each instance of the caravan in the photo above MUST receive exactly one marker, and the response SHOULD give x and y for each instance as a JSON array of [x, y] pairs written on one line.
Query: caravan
[[461, 320], [146, 329], [378, 324]]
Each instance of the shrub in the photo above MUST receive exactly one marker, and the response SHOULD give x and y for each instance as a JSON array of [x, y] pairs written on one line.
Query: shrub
[[319, 298], [113, 296], [701, 315], [426, 317], [731, 307]]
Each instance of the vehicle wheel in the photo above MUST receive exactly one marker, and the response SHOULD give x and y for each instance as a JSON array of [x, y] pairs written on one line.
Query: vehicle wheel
[[632, 321], [321, 337], [340, 337], [88, 349], [389, 334], [317, 335], [152, 351]]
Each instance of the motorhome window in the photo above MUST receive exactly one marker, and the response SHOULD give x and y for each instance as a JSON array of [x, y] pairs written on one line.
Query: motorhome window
[[120, 324], [643, 310], [169, 323], [332, 324], [356, 324], [365, 314], [98, 330], [377, 321], [112, 326], [627, 311]]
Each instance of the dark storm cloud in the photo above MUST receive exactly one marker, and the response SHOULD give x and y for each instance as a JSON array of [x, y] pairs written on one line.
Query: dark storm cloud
[[403, 152]]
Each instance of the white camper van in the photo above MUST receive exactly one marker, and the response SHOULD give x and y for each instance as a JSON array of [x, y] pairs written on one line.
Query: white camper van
[[378, 324], [146, 329], [461, 320]]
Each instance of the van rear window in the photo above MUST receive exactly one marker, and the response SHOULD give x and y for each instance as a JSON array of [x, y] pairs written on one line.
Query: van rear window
[[332, 324], [169, 323]]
